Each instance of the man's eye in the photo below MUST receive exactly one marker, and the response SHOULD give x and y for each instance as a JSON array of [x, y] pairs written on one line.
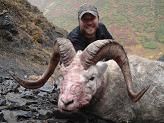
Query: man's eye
[[92, 78]]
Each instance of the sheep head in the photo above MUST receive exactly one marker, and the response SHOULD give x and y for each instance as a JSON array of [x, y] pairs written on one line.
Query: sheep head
[[83, 72], [78, 85]]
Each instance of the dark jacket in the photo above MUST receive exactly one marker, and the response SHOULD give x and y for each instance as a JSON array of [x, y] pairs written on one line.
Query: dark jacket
[[78, 40]]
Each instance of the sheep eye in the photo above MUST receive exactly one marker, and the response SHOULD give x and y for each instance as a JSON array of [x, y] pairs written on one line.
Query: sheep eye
[[61, 78], [92, 78]]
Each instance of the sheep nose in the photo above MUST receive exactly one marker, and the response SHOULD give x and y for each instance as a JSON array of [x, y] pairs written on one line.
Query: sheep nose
[[67, 102]]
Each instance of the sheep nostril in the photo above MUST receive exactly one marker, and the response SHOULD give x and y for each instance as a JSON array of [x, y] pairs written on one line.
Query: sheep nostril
[[66, 103]]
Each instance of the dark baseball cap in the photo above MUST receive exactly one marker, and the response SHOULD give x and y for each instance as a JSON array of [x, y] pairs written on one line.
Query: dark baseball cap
[[87, 9]]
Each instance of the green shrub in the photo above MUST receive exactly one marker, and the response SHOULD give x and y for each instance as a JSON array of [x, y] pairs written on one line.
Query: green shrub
[[150, 45], [160, 33]]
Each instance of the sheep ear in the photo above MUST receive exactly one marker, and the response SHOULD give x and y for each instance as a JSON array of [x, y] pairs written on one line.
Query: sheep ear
[[102, 66]]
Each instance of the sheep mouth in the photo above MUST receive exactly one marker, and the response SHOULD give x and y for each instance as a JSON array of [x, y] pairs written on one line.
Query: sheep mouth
[[65, 110], [69, 111]]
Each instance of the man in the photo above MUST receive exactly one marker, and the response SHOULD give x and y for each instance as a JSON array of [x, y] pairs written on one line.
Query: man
[[89, 29]]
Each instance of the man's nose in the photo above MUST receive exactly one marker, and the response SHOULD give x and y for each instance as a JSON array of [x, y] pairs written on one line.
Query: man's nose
[[67, 102], [89, 23]]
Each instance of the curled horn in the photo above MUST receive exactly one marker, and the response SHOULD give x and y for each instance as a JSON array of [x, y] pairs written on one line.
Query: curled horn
[[62, 49], [109, 49], [67, 51]]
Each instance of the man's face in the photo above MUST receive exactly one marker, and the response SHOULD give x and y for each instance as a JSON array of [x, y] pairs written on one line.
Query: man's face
[[89, 24]]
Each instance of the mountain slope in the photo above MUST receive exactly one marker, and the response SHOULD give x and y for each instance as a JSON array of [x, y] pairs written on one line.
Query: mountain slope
[[26, 37]]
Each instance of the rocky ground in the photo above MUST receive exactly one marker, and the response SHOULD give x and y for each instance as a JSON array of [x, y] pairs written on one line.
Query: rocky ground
[[20, 105]]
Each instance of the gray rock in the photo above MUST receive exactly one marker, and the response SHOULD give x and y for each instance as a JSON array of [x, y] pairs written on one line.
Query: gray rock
[[57, 121], [48, 87], [44, 114], [42, 94], [16, 102], [161, 58], [1, 79], [7, 23], [27, 95], [2, 117], [21, 89], [23, 115], [14, 116], [2, 101], [8, 86]]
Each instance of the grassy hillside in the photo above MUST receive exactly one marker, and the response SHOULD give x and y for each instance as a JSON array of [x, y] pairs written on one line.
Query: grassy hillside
[[138, 25], [25, 36]]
